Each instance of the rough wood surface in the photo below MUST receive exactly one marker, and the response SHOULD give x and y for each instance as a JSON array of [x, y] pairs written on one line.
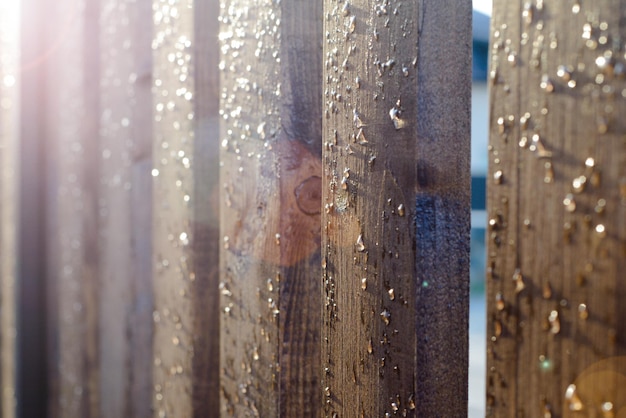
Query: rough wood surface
[[270, 208], [395, 241], [10, 79], [185, 219], [557, 210]]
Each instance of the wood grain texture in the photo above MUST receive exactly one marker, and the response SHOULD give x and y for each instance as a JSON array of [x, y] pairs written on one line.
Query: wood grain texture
[[185, 218], [557, 210], [270, 208], [395, 234]]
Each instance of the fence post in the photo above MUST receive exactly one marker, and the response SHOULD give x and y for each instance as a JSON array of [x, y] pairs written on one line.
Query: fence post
[[270, 201], [557, 210], [185, 225], [10, 79], [396, 200]]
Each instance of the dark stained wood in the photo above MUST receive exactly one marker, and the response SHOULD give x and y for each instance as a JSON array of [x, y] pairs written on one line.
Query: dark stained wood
[[270, 208], [557, 210], [205, 294], [395, 240]]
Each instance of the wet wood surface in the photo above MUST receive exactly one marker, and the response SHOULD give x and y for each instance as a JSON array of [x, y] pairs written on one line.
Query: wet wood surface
[[270, 184], [395, 240], [185, 218], [557, 210]]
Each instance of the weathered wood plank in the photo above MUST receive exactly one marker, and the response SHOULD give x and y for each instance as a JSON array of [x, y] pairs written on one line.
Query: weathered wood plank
[[396, 221], [270, 208], [185, 219], [124, 190], [10, 79], [557, 207], [72, 120]]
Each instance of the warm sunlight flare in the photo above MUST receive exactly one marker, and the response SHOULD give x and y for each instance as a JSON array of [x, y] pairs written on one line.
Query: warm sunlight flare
[[9, 37]]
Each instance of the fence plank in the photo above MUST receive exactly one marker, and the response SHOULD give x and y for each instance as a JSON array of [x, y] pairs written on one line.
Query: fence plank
[[71, 67], [557, 207], [125, 294], [10, 79], [185, 223], [396, 221], [270, 267]]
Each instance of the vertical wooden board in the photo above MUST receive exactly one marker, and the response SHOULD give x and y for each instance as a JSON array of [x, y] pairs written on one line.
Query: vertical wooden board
[[396, 198], [72, 125], [270, 207], [141, 319], [185, 211], [10, 79], [125, 300], [557, 207], [205, 292]]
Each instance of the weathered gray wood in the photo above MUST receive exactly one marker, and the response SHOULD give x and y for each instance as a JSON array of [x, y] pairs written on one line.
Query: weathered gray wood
[[185, 219], [396, 222], [557, 209], [125, 294], [9, 153], [72, 122], [270, 208]]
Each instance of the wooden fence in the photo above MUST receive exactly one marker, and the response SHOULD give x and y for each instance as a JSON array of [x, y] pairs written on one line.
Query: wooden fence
[[262, 208]]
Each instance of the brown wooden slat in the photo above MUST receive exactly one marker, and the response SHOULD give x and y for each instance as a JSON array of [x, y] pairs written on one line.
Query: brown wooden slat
[[270, 208], [185, 219], [557, 208], [396, 221]]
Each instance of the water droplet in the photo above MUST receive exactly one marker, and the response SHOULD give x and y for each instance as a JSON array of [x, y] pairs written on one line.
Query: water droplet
[[497, 328], [527, 13], [175, 341], [360, 246], [519, 281], [498, 177], [352, 24], [555, 322], [395, 113], [583, 313], [356, 118], [277, 239], [607, 409], [155, 172], [345, 10], [364, 283], [546, 84], [370, 346], [500, 304], [572, 398], [401, 209], [579, 183], [392, 294], [545, 364], [385, 316], [601, 230], [569, 203], [547, 290]]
